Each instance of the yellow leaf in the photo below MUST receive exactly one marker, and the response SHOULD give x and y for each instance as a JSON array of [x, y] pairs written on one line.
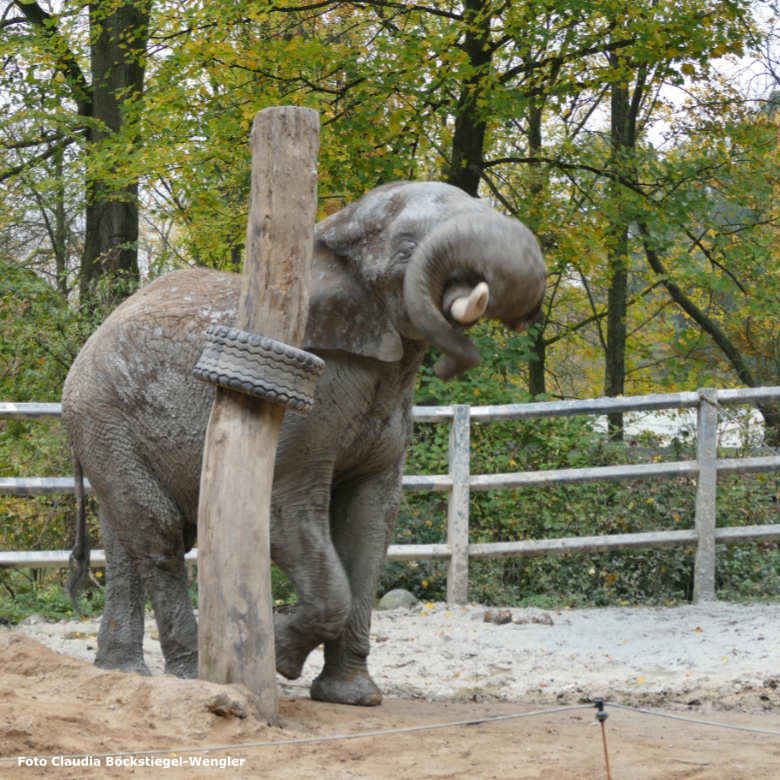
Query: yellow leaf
[[688, 69]]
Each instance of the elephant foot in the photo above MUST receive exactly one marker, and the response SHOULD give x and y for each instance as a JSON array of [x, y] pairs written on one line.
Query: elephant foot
[[185, 666], [356, 688], [290, 658], [292, 649], [288, 667], [136, 666]]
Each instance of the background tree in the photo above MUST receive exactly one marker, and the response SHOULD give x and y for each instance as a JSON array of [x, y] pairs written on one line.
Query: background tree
[[103, 111], [551, 110]]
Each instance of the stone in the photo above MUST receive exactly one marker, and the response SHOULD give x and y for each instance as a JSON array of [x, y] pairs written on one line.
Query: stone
[[221, 704], [398, 598], [500, 618], [35, 620], [503, 617]]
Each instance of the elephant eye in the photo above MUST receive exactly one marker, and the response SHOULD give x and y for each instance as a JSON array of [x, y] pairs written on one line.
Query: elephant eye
[[404, 250]]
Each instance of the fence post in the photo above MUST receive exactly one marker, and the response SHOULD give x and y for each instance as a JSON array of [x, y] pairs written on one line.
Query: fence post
[[458, 506], [706, 491]]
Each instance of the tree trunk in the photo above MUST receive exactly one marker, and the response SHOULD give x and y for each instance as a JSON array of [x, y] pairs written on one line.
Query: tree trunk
[[615, 358], [536, 376], [60, 237], [118, 48], [468, 140], [771, 413], [617, 256], [537, 187]]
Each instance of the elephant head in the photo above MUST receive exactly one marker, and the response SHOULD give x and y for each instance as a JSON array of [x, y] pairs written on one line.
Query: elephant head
[[431, 261]]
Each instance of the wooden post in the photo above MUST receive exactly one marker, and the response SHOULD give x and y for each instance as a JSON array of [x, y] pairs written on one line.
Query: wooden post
[[235, 635], [706, 493], [458, 506]]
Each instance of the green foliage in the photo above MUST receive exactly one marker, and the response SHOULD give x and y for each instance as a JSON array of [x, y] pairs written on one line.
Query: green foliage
[[25, 592], [35, 523], [663, 576], [282, 591], [41, 336], [43, 523], [748, 571]]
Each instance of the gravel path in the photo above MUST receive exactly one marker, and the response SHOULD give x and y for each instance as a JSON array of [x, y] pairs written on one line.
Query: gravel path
[[437, 652]]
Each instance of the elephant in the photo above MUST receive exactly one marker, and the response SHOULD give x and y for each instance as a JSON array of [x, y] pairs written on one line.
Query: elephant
[[408, 265]]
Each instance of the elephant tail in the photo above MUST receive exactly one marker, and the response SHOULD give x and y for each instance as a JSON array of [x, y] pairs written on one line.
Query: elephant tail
[[78, 563]]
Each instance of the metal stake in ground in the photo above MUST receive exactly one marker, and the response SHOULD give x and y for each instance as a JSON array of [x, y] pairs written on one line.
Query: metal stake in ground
[[250, 363], [601, 717]]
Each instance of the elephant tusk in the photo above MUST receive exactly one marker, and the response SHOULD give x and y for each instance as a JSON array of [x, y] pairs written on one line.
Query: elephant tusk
[[468, 309]]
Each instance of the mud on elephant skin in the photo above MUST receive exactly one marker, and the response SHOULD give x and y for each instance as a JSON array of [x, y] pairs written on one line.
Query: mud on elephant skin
[[408, 265]]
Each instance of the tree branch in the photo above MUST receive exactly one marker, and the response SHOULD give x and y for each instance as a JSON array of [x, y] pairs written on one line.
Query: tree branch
[[598, 316], [17, 169], [67, 63], [556, 59], [707, 324], [13, 20], [33, 142]]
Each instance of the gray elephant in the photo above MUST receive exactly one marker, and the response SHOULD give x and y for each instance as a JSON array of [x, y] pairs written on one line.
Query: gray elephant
[[408, 265]]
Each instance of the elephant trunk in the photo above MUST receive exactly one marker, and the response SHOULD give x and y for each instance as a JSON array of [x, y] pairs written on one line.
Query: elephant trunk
[[445, 276]]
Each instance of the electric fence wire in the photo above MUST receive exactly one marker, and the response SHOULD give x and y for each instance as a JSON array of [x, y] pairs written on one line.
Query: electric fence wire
[[405, 730], [656, 714], [329, 738]]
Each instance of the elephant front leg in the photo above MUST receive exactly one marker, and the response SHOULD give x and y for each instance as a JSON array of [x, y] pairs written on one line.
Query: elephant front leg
[[301, 546], [364, 516]]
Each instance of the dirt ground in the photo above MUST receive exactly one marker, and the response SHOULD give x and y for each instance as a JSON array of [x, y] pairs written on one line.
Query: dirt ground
[[53, 705]]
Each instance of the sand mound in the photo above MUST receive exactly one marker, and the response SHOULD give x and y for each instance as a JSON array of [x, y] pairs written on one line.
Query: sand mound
[[436, 665]]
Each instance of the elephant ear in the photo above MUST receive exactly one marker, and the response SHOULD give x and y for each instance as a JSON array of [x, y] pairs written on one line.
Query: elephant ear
[[344, 314]]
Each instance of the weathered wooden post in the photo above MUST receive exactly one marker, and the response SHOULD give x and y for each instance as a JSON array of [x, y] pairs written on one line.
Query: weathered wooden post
[[256, 376], [458, 506], [706, 493]]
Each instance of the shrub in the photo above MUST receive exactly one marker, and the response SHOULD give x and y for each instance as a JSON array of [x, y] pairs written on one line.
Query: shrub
[[656, 576]]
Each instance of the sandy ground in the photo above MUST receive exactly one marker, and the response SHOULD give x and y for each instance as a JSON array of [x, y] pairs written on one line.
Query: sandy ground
[[718, 663]]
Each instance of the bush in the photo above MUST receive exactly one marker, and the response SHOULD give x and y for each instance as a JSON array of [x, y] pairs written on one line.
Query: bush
[[648, 576], [654, 576], [25, 592]]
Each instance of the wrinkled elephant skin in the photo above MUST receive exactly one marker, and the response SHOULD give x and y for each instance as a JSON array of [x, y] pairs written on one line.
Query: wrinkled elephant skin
[[404, 267]]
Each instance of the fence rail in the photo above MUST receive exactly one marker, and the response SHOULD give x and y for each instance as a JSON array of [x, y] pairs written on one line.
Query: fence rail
[[459, 483]]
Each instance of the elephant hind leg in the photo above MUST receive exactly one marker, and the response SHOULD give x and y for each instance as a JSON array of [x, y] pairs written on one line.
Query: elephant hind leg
[[166, 582], [120, 638], [149, 526]]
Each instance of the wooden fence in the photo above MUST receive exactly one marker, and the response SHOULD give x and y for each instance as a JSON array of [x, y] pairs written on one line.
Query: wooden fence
[[459, 483]]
